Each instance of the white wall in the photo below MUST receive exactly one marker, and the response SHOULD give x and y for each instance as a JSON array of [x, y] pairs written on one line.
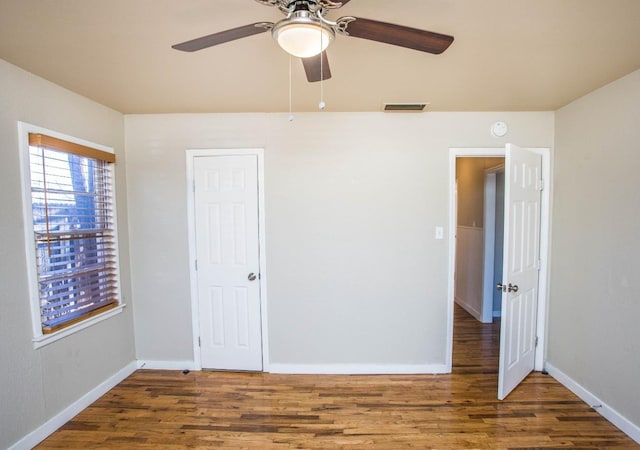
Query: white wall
[[355, 276], [37, 384], [469, 269], [594, 336]]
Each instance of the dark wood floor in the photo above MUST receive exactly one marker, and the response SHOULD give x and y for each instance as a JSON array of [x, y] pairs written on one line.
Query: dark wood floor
[[161, 409]]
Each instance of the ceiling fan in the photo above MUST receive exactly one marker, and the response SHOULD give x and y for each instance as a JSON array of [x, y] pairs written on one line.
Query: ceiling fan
[[305, 32]]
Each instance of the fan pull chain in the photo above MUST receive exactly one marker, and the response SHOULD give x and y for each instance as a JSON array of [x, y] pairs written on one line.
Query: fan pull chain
[[322, 104], [290, 93]]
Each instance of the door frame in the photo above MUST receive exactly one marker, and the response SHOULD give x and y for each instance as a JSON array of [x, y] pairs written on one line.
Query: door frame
[[545, 234], [191, 154]]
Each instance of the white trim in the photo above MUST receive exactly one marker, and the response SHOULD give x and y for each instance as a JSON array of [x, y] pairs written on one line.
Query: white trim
[[167, 365], [43, 431], [193, 278], [545, 235], [262, 236], [27, 214], [625, 425], [191, 154], [545, 256], [46, 339], [358, 369], [30, 128], [39, 338]]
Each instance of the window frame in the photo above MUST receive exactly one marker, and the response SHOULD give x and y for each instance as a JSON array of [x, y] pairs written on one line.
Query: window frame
[[41, 339]]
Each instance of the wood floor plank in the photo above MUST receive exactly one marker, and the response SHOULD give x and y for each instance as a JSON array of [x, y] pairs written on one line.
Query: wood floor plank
[[171, 410]]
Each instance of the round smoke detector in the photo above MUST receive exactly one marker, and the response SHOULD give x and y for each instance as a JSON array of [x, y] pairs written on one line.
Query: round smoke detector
[[499, 129]]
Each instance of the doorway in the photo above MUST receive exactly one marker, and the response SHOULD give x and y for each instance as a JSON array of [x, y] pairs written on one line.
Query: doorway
[[476, 256], [540, 288], [226, 246]]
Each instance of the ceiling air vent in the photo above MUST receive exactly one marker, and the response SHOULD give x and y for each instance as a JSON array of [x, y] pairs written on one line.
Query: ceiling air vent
[[405, 107]]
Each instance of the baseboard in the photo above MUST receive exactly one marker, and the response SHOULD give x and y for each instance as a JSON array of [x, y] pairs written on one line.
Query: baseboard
[[497, 313], [43, 431], [613, 416], [358, 369], [468, 308], [324, 369], [167, 365]]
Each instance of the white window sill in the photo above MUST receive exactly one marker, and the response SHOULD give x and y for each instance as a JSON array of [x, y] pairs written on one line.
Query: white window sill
[[46, 339]]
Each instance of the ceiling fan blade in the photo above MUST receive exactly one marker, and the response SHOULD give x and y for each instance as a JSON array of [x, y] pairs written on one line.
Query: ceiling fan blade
[[389, 33], [317, 67], [223, 36]]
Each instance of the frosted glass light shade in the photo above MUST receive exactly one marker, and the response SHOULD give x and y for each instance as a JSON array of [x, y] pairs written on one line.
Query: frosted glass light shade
[[302, 36]]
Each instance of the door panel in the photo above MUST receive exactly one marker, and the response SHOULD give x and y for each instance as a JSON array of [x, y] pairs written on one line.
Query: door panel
[[523, 183], [227, 249]]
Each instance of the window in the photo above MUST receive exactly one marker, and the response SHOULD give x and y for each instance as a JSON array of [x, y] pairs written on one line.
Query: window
[[74, 239]]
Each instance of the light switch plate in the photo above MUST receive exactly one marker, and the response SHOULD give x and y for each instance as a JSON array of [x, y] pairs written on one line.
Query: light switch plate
[[439, 232]]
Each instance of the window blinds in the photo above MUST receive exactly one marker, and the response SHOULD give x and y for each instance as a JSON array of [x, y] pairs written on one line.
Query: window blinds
[[76, 251]]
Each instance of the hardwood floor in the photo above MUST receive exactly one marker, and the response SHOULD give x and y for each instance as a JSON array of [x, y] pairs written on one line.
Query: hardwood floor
[[163, 409]]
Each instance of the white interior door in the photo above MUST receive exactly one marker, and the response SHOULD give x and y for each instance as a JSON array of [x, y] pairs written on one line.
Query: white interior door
[[523, 183], [227, 251]]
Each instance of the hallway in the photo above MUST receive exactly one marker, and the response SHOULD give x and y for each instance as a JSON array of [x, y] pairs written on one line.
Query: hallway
[[476, 345]]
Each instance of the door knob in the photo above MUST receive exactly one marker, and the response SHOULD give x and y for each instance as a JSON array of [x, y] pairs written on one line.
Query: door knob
[[251, 277], [501, 287], [512, 288]]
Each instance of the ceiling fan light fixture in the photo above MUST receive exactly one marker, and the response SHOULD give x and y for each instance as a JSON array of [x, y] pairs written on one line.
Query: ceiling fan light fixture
[[302, 35]]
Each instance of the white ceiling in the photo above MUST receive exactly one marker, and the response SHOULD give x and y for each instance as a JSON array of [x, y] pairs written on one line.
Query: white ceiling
[[507, 55]]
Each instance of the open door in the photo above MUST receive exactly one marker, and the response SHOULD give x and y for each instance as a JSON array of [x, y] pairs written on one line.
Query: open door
[[521, 263]]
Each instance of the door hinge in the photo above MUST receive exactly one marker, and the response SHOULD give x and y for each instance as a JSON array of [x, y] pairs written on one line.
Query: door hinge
[[540, 185], [196, 264], [536, 344], [199, 342], [539, 264], [193, 186]]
